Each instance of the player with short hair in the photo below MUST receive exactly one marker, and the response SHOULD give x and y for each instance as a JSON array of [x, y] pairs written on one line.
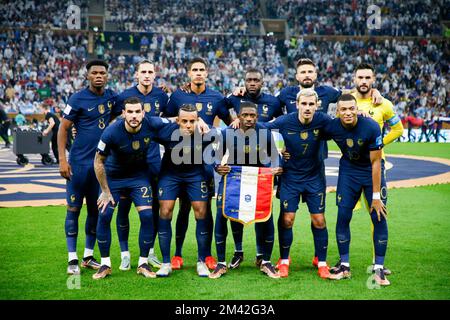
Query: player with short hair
[[155, 101], [183, 171], [360, 170], [257, 153], [268, 108], [90, 111], [382, 113], [209, 104], [302, 177], [121, 169]]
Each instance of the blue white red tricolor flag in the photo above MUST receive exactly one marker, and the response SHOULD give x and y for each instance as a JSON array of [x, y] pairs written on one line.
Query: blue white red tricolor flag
[[247, 194]]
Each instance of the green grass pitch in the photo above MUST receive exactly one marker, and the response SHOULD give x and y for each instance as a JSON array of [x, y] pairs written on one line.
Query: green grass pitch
[[34, 258]]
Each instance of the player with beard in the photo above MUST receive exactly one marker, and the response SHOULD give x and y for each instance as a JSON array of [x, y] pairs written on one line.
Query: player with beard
[[383, 113], [121, 169], [155, 101]]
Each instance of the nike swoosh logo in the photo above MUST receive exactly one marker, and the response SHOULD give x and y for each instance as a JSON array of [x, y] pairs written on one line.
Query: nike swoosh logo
[[90, 109], [243, 100], [202, 233], [121, 147], [162, 232], [292, 132], [71, 233], [292, 101]]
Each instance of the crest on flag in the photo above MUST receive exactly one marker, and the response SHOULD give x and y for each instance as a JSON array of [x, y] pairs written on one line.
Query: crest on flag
[[247, 194]]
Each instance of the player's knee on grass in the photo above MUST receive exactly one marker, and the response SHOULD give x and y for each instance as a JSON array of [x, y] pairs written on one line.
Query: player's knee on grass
[[318, 220], [288, 220]]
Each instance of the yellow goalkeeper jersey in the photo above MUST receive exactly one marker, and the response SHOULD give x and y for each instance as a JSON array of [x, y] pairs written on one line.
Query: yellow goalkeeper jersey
[[382, 113]]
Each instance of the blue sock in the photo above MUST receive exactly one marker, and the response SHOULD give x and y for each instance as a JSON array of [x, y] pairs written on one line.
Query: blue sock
[[343, 236], [259, 235], [145, 232], [221, 232], [267, 234], [285, 237], [91, 225], [202, 235], [238, 231], [380, 237], [182, 225], [104, 231], [123, 222], [155, 215], [209, 227], [71, 229], [165, 236], [320, 242]]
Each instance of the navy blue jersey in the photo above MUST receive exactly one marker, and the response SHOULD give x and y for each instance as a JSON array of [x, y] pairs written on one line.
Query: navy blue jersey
[[155, 103], [355, 143], [327, 95], [209, 104], [303, 142], [254, 148], [90, 114], [127, 152], [183, 154], [269, 107]]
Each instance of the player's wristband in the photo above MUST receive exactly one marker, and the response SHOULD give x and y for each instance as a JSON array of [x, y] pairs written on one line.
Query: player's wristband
[[376, 196]]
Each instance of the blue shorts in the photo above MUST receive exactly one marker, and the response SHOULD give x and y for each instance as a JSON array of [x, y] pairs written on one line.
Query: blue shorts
[[352, 183], [138, 189], [83, 183], [171, 186], [312, 192]]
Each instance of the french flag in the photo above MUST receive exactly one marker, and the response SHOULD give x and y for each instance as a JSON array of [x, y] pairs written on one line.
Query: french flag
[[247, 194]]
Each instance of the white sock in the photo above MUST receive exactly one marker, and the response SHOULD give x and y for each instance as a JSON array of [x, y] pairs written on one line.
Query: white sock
[[88, 252], [378, 266], [241, 251], [322, 264], [346, 264], [73, 256], [142, 260], [106, 261], [124, 254], [264, 262], [152, 251], [166, 265], [284, 261], [223, 262]]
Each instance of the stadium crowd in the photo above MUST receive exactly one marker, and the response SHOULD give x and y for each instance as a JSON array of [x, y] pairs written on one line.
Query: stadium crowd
[[398, 18], [37, 67], [183, 16], [43, 14]]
